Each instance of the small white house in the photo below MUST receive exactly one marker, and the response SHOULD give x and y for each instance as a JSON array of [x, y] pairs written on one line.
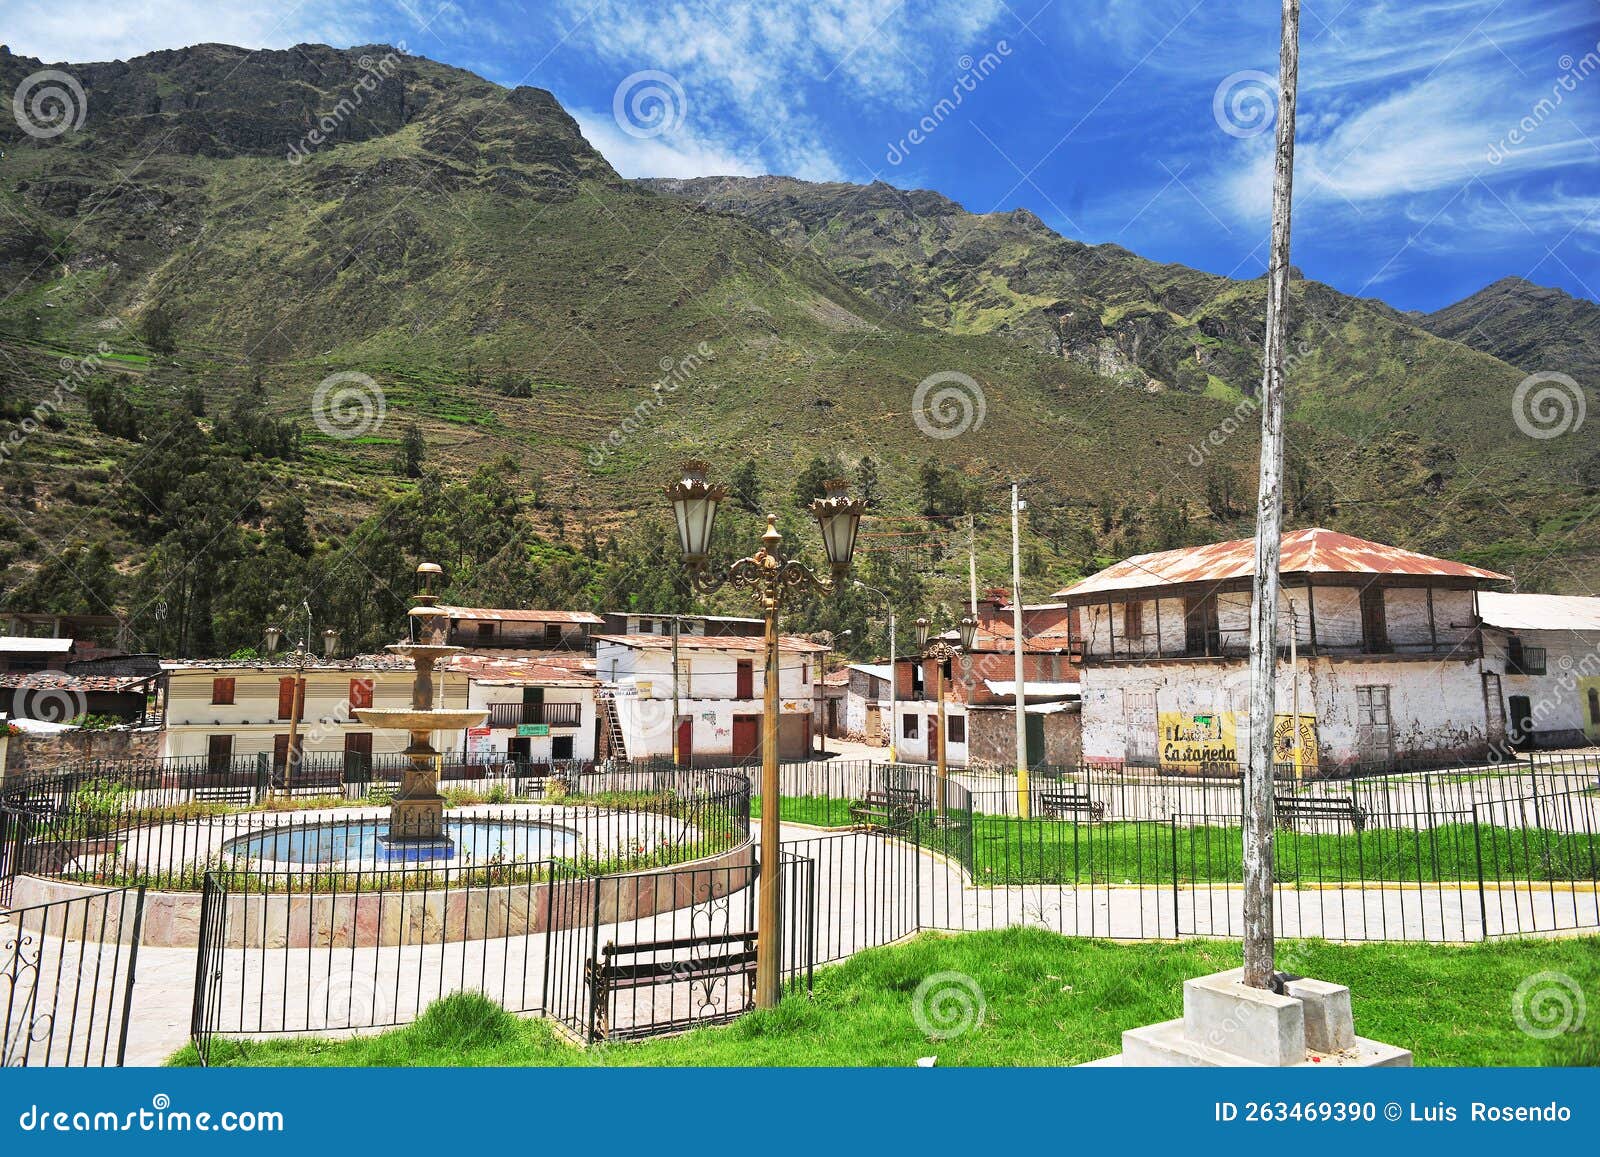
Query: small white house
[[1545, 652], [720, 685], [540, 710]]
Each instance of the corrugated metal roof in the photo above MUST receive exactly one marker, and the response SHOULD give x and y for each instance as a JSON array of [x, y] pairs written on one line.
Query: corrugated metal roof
[[1520, 612], [500, 615], [1314, 551], [876, 670], [27, 645], [710, 642], [1034, 689]]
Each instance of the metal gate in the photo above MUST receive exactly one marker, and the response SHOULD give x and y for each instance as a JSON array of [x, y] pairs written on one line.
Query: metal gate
[[66, 979]]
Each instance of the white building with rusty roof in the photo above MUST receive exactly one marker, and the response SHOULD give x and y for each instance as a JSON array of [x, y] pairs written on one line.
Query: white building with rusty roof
[[1390, 668]]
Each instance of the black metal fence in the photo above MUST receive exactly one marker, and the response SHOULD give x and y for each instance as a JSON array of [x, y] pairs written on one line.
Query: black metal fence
[[114, 826], [66, 979]]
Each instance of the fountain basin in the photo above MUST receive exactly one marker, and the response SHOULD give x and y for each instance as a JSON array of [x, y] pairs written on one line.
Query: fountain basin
[[361, 844], [414, 719]]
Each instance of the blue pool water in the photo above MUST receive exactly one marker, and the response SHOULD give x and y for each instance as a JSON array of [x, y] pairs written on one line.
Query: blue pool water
[[356, 844]]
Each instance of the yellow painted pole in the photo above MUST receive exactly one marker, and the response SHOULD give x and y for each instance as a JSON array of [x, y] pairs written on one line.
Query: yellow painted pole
[[769, 929]]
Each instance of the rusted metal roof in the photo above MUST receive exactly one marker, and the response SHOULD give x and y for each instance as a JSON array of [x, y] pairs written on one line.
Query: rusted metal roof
[[1314, 551], [498, 615], [710, 642], [531, 671]]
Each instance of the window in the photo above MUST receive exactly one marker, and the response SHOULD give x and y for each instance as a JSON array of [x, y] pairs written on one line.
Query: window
[[552, 633], [360, 693], [291, 697], [908, 726], [222, 691], [805, 671], [955, 729], [561, 747], [1374, 626], [745, 680], [1524, 660], [1133, 621], [1594, 706], [919, 680], [485, 631], [1200, 631]]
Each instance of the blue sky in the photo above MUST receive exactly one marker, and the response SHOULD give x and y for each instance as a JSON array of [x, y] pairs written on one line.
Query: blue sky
[[1442, 143]]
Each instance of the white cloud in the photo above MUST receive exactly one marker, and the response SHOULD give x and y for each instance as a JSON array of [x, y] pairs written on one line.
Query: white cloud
[[674, 154]]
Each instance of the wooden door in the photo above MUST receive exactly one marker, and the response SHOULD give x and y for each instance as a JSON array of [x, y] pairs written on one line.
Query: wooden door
[[219, 753], [746, 736], [1140, 726], [1374, 727], [357, 756], [686, 742], [1521, 721], [1033, 725], [933, 739], [745, 680]]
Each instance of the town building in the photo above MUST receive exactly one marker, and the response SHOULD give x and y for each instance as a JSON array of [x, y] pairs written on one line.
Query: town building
[[222, 709], [979, 688], [491, 628], [542, 708], [1388, 668], [720, 685], [645, 623], [1545, 650]]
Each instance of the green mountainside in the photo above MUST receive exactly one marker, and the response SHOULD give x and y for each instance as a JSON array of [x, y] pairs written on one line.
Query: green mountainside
[[1532, 327], [228, 230]]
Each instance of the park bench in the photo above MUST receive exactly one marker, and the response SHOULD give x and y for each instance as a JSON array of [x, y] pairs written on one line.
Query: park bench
[[1290, 808], [714, 958], [889, 807], [1058, 805], [242, 794]]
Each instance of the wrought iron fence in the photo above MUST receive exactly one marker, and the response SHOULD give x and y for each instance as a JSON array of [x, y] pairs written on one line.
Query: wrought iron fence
[[66, 979]]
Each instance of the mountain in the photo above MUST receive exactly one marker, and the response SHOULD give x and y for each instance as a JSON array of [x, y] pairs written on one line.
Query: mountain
[[238, 285], [1533, 327]]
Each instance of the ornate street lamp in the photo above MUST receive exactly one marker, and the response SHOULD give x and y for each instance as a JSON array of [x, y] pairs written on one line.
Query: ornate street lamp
[[942, 651], [273, 635], [330, 643], [770, 577]]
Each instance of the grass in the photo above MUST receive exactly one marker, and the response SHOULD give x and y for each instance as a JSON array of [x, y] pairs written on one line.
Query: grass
[[1048, 1000], [1006, 850]]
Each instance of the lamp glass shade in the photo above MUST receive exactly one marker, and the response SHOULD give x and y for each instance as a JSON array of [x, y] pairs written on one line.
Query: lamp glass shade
[[922, 633], [839, 518], [330, 642], [969, 631], [273, 635], [694, 506]]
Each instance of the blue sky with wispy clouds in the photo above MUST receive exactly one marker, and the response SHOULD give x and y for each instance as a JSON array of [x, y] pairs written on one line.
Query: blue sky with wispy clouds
[[1442, 143]]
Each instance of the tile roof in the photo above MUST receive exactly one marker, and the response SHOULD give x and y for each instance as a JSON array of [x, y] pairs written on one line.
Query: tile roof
[[61, 681], [1313, 551]]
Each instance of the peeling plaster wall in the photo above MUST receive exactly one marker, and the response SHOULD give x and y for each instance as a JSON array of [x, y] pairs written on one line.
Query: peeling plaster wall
[[1437, 708], [1559, 699]]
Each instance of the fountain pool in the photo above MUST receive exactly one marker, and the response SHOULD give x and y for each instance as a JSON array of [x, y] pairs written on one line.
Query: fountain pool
[[359, 844]]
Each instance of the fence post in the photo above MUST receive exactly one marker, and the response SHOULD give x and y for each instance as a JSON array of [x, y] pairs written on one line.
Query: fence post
[[262, 782], [133, 968], [1477, 845], [1177, 929], [197, 1033]]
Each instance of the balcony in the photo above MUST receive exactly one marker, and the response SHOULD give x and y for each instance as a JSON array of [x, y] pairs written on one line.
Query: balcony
[[552, 714]]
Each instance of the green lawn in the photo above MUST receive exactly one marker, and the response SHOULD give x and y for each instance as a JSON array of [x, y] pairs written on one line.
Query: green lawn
[[1049, 1000], [1007, 850]]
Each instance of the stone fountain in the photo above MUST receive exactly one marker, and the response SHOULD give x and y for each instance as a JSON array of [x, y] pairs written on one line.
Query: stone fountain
[[416, 814]]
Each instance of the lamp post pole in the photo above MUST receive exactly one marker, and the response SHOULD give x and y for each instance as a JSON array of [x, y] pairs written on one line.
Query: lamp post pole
[[942, 651], [769, 575]]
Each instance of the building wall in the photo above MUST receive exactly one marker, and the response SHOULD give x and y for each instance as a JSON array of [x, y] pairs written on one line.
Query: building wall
[[498, 739], [26, 753], [992, 737], [1559, 699], [707, 683], [252, 718], [1437, 707], [914, 749]]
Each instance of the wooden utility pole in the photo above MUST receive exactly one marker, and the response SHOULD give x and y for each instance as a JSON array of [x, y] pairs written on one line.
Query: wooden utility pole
[[1018, 685], [1258, 915]]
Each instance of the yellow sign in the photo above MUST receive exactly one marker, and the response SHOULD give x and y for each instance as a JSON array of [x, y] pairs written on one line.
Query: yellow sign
[[1207, 741], [1304, 757], [1197, 741]]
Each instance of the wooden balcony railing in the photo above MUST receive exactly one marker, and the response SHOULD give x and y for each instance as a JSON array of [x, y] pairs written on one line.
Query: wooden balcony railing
[[553, 714]]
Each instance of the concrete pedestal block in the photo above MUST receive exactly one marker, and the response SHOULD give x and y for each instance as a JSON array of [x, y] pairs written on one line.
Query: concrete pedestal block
[[1225, 1023]]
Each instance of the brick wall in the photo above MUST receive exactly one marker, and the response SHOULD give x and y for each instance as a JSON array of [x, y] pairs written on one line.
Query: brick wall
[[38, 753]]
